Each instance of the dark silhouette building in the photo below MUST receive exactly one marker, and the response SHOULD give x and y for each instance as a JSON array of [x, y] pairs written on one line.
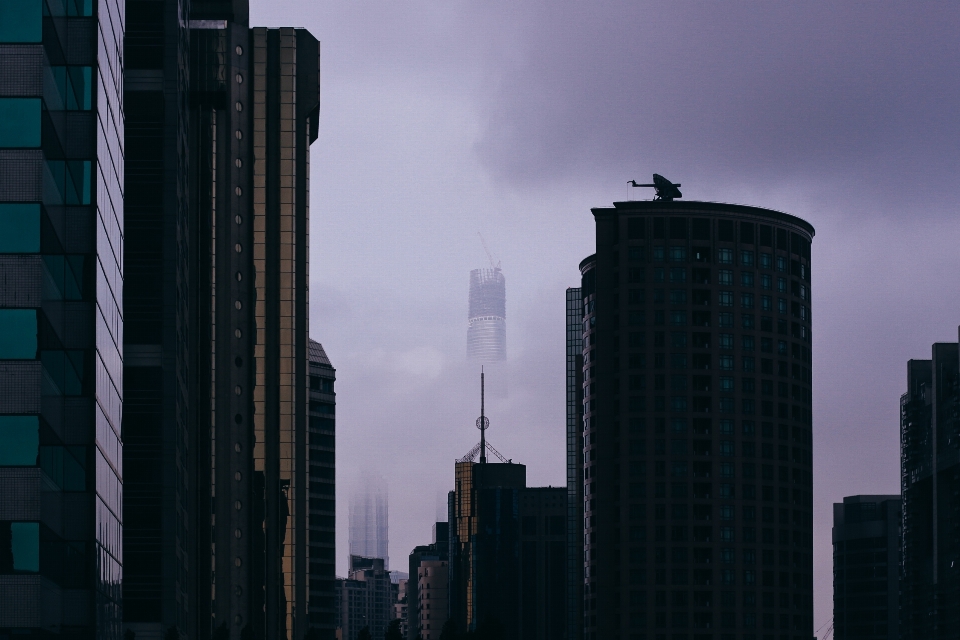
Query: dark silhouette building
[[365, 599], [930, 483], [434, 554], [221, 118], [61, 319], [574, 607], [866, 568], [697, 418], [322, 481]]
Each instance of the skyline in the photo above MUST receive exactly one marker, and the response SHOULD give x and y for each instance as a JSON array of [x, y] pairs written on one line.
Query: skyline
[[858, 143]]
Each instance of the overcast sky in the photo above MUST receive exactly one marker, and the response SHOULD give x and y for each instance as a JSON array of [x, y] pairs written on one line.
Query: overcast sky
[[440, 119]]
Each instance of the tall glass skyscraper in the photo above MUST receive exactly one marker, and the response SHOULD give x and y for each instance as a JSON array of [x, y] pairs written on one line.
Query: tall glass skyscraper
[[487, 329], [61, 317], [574, 464], [697, 423], [369, 520]]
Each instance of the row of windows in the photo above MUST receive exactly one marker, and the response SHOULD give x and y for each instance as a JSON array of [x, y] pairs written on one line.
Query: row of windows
[[705, 512], [702, 298], [724, 490], [704, 426], [705, 404], [676, 228], [678, 275], [728, 600], [727, 620], [745, 258], [726, 363], [724, 448]]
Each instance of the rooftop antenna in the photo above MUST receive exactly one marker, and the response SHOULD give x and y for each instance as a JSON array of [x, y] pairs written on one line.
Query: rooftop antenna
[[666, 190], [489, 255], [482, 423]]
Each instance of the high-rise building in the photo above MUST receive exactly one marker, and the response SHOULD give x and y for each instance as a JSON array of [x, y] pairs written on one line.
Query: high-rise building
[[322, 481], [160, 328], [930, 483], [433, 591], [365, 600], [697, 422], [437, 551], [61, 318], [866, 568], [574, 605], [487, 328], [369, 519]]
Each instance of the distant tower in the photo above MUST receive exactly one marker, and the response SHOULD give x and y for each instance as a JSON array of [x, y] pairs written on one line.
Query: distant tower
[[487, 331], [368, 520]]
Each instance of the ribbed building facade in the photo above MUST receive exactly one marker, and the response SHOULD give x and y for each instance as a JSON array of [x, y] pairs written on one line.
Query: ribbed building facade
[[866, 568], [930, 484], [574, 334], [487, 321], [61, 319], [323, 499], [697, 423]]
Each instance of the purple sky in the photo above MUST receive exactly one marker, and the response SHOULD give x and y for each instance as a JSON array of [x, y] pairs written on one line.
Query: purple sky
[[441, 119]]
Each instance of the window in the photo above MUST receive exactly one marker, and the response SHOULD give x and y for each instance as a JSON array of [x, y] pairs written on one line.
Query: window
[[726, 490], [781, 264], [678, 318], [746, 300], [746, 258], [725, 256], [19, 441], [748, 363], [726, 383], [68, 88], [678, 339], [781, 347], [19, 227], [18, 334], [726, 469], [19, 121], [678, 361], [726, 513], [748, 342], [725, 340], [766, 303], [658, 275], [748, 321], [634, 318], [746, 278], [70, 180], [726, 446], [21, 20], [725, 299], [678, 382], [678, 254], [678, 296], [636, 296], [726, 363], [726, 535], [658, 254], [725, 319], [766, 281], [725, 276], [635, 254], [23, 548], [658, 296]]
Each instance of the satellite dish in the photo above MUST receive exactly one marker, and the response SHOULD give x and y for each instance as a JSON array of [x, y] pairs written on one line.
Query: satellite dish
[[665, 190]]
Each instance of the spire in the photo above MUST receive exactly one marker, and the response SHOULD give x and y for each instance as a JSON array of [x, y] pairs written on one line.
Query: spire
[[482, 424]]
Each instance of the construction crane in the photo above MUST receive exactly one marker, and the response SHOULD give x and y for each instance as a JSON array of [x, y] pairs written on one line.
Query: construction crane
[[489, 255]]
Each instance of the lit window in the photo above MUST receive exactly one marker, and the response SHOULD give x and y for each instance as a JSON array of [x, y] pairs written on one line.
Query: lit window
[[726, 383], [725, 256], [746, 300], [766, 260], [725, 276], [746, 258], [726, 427], [746, 278], [726, 363], [781, 264], [766, 281], [781, 285], [725, 298], [766, 303]]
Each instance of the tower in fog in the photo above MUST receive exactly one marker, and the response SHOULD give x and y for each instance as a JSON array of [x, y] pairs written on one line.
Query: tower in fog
[[487, 330], [368, 520]]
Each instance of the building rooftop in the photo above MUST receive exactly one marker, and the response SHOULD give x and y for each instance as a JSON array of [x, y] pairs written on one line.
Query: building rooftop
[[317, 354]]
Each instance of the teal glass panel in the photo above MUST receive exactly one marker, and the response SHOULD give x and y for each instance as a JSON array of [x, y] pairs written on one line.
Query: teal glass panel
[[18, 334], [74, 471], [25, 545], [19, 441], [21, 20], [19, 228], [19, 122], [67, 182], [62, 372], [68, 88]]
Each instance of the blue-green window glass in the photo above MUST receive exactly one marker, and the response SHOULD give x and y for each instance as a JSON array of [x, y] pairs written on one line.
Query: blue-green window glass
[[19, 122], [67, 182], [19, 228], [18, 334], [62, 372], [68, 88], [19, 441], [21, 20], [25, 545], [70, 7]]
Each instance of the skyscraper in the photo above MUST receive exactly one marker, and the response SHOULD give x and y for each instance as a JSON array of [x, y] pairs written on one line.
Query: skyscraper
[[61, 318], [697, 422], [369, 519], [487, 328], [930, 482], [574, 606], [323, 501], [866, 568]]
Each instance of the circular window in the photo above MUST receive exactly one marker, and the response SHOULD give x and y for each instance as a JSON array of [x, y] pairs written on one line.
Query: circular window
[[238, 361], [239, 106], [239, 247], [239, 50], [238, 418], [238, 162], [239, 134], [239, 191], [238, 476], [239, 276], [237, 390], [239, 79], [238, 333], [237, 447], [238, 305], [239, 219]]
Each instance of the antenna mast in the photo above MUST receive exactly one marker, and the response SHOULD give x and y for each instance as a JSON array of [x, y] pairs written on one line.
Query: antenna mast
[[483, 422]]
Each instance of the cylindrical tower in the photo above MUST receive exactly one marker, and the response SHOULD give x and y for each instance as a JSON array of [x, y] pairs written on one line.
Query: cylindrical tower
[[697, 422], [487, 330]]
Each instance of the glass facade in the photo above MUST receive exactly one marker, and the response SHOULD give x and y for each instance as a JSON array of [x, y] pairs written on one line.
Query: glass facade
[[697, 424], [322, 487], [61, 256], [574, 333]]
